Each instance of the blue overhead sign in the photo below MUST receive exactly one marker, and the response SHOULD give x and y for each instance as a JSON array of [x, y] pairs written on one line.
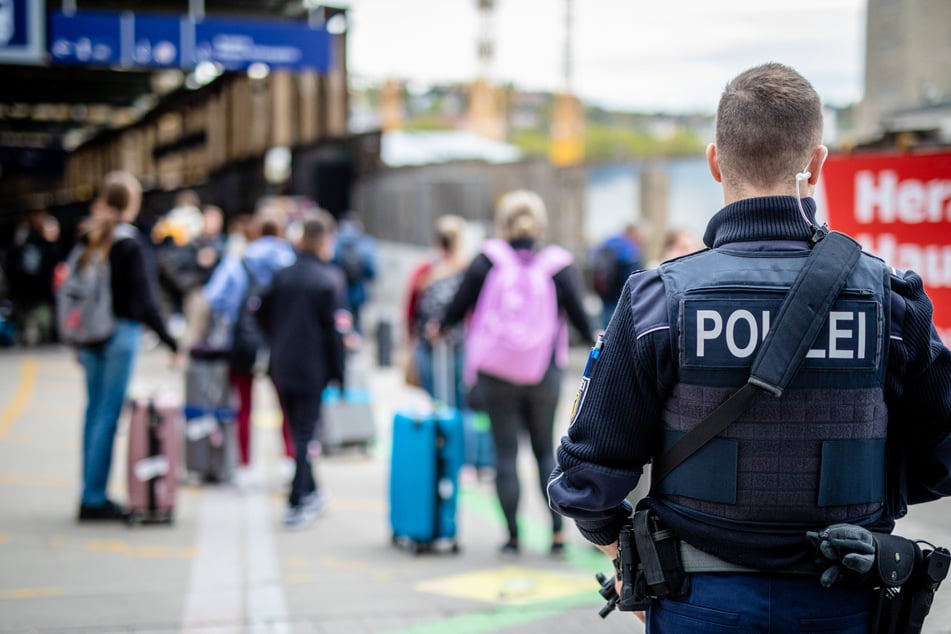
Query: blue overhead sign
[[236, 44], [92, 38], [22, 31], [157, 42], [151, 41]]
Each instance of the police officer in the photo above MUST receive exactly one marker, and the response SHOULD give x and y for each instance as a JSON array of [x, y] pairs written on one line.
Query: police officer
[[682, 341]]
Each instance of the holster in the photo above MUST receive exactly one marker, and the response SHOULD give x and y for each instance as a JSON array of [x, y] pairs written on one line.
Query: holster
[[650, 563], [901, 608]]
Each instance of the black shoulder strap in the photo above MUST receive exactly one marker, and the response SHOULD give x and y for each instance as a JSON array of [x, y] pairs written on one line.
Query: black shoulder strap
[[801, 315]]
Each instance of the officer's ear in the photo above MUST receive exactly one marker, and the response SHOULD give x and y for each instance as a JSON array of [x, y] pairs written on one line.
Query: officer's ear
[[713, 163], [819, 156]]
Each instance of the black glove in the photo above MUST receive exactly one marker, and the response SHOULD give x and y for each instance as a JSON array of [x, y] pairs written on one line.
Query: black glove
[[845, 550]]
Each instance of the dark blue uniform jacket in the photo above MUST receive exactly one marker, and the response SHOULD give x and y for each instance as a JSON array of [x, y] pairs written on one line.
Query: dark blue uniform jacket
[[616, 425]]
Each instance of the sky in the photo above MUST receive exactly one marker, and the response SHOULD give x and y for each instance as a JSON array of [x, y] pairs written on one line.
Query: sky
[[636, 55]]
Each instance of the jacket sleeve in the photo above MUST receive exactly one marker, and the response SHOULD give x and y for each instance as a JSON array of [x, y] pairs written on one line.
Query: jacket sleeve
[[337, 320], [613, 427], [919, 391], [568, 288], [412, 301], [468, 293], [144, 303]]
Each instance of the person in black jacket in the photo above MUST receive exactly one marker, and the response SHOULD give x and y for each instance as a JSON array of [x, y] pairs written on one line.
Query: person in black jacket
[[304, 317], [108, 366]]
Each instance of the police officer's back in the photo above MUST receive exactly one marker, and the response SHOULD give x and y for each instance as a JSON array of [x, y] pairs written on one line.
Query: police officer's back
[[872, 399]]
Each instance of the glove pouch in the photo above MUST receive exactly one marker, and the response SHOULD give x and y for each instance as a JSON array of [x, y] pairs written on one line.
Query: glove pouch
[[894, 559]]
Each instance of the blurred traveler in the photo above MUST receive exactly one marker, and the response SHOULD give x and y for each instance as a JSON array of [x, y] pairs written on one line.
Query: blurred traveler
[[198, 261], [610, 265], [108, 365], [433, 284], [355, 254], [174, 236], [31, 259], [517, 342], [679, 242], [231, 295], [304, 316]]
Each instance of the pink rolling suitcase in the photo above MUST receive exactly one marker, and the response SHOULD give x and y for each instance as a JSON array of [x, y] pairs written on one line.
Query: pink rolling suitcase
[[155, 457]]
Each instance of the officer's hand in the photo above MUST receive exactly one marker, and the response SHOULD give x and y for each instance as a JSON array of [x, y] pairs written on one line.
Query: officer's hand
[[848, 548]]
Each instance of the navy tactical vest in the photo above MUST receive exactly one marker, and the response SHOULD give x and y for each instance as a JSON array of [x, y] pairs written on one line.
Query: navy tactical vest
[[812, 457]]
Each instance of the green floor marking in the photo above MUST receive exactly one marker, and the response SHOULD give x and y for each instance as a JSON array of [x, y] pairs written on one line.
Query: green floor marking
[[498, 619]]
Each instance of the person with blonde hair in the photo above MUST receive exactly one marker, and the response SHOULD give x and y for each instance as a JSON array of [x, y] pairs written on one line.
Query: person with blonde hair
[[108, 365], [520, 296], [432, 286]]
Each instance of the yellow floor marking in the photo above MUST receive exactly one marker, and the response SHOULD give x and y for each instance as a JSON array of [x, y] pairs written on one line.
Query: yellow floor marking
[[21, 397], [120, 547], [32, 479], [297, 562], [29, 593], [59, 542], [299, 579], [4, 538], [508, 586], [340, 564]]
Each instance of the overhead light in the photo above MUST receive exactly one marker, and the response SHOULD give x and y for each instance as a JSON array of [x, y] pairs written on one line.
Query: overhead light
[[72, 139], [204, 74], [337, 24], [258, 71]]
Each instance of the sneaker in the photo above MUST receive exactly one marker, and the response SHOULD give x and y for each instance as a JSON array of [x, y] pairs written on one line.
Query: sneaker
[[315, 503], [509, 548], [299, 517], [246, 478], [107, 511], [557, 550]]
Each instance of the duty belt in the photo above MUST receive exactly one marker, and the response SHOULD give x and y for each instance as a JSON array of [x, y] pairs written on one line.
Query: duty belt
[[695, 560]]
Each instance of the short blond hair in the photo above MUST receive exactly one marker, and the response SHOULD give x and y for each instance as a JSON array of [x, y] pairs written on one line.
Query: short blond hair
[[520, 215]]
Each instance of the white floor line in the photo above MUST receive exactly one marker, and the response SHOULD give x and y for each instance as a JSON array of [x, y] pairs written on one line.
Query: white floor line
[[265, 604], [215, 586]]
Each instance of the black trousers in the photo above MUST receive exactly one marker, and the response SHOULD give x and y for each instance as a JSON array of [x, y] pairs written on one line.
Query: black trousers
[[513, 409], [303, 416]]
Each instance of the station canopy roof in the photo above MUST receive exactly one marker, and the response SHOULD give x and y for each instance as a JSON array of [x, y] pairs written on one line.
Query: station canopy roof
[[63, 105]]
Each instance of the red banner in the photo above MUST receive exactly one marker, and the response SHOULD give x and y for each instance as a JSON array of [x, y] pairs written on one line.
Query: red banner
[[898, 206]]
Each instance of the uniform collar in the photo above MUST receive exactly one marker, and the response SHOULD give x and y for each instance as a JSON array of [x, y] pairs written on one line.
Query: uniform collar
[[766, 218]]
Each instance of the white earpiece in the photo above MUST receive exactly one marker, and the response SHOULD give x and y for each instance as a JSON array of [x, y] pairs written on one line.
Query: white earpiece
[[800, 177]]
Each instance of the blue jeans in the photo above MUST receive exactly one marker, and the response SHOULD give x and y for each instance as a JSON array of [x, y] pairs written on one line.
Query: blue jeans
[[108, 371], [781, 604]]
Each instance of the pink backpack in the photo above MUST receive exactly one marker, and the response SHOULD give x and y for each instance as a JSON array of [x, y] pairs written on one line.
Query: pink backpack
[[516, 325]]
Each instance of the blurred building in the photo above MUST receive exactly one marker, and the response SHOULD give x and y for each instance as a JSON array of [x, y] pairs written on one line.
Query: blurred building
[[182, 93], [907, 99]]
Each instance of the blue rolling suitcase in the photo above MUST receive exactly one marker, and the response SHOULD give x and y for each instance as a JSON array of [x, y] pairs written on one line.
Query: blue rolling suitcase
[[428, 450]]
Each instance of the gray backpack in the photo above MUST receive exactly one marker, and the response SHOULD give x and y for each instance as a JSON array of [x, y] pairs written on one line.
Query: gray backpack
[[84, 301]]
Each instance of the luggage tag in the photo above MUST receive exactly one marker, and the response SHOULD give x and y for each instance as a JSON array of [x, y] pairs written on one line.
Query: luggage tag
[[151, 468], [201, 427]]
